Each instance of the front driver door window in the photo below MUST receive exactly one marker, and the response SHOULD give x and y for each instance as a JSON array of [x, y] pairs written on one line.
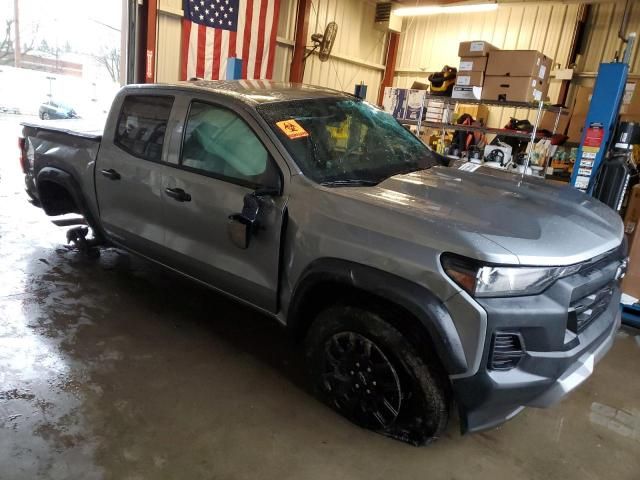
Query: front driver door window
[[222, 160], [219, 143]]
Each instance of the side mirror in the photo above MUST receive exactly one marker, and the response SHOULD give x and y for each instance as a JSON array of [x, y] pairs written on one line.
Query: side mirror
[[242, 226]]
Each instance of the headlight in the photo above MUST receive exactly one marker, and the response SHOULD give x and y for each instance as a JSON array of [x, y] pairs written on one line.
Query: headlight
[[496, 281]]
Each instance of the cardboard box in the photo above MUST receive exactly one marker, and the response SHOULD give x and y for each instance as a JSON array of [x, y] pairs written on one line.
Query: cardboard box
[[472, 64], [434, 117], [394, 101], [415, 100], [519, 63], [470, 79], [576, 125], [632, 215], [630, 109], [548, 121], [514, 89], [582, 100], [476, 48], [631, 281], [466, 93]]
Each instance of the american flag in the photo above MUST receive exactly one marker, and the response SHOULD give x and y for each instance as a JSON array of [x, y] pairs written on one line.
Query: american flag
[[213, 31]]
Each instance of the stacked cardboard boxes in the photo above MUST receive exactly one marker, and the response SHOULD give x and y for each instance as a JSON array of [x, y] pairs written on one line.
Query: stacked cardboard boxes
[[434, 110], [516, 76], [487, 73], [471, 71], [630, 110]]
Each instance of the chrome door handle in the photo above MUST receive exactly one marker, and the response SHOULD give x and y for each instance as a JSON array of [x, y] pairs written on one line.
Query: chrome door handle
[[111, 174], [178, 194]]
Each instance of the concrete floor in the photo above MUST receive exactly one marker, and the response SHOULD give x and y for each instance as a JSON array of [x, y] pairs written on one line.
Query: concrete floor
[[113, 368]]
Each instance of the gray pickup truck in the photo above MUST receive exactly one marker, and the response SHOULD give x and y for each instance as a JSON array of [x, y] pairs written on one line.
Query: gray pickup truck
[[414, 286]]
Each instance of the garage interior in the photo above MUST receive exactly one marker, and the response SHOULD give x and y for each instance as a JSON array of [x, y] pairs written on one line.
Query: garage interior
[[114, 367]]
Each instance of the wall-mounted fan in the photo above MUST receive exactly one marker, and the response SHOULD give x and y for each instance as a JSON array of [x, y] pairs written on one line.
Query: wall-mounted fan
[[323, 42]]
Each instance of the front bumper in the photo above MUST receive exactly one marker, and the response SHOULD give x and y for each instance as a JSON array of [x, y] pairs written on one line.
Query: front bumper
[[580, 371], [555, 359], [490, 398]]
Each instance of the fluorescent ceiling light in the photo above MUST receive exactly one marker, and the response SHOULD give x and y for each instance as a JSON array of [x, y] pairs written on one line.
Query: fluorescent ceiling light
[[437, 10]]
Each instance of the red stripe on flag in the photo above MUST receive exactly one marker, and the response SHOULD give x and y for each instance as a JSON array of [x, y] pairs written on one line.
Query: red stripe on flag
[[186, 34], [217, 40], [272, 40], [202, 43], [232, 45], [260, 47], [247, 36]]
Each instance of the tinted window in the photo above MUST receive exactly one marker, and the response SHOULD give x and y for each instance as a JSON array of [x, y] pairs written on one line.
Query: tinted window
[[142, 125], [220, 143], [345, 140]]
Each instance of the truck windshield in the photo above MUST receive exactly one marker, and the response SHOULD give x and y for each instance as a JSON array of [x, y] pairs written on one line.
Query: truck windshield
[[341, 142]]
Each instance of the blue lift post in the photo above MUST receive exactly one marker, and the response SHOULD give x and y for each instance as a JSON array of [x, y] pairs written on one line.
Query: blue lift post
[[600, 124], [631, 315]]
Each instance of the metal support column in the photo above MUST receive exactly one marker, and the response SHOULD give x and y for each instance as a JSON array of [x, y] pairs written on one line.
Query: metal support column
[[296, 72]]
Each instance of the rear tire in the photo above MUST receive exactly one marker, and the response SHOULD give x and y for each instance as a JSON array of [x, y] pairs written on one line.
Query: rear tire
[[365, 369]]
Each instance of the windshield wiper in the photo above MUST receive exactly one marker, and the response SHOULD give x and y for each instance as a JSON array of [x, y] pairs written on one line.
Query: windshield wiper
[[350, 182]]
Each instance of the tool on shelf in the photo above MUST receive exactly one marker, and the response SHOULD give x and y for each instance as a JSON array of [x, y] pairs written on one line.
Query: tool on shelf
[[447, 124]]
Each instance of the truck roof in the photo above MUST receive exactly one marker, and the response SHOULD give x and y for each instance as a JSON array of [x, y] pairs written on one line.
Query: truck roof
[[254, 92]]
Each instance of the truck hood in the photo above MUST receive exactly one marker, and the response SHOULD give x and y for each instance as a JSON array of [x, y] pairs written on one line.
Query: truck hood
[[540, 222]]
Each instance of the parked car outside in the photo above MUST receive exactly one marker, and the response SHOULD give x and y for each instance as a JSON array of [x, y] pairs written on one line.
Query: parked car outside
[[9, 109], [53, 110]]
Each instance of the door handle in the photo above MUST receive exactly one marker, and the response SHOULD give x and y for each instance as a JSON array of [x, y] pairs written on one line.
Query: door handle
[[111, 174], [178, 194]]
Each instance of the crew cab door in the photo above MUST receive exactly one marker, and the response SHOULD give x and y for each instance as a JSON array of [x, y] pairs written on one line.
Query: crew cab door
[[129, 173], [221, 161]]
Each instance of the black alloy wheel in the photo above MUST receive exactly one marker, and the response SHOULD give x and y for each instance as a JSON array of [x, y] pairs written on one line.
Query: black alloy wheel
[[365, 369], [360, 381]]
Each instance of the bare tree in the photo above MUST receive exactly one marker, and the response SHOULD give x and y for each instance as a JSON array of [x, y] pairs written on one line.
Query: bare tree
[[109, 58], [7, 45]]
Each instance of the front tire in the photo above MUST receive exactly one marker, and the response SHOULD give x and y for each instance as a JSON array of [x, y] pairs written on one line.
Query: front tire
[[365, 369]]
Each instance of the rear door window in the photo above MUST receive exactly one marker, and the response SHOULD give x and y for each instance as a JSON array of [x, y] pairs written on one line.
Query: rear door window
[[142, 125]]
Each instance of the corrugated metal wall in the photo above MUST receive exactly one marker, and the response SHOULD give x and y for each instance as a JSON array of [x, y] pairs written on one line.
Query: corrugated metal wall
[[601, 41], [426, 43], [284, 42], [429, 43], [168, 38], [358, 52]]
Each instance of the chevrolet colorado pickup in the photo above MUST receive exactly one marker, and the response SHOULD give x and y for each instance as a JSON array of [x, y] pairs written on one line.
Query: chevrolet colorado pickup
[[415, 286]]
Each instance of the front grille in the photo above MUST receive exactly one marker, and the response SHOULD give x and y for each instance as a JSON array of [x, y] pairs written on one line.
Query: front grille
[[506, 351], [585, 310]]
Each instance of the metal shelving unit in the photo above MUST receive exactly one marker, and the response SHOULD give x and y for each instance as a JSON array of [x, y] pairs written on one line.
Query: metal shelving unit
[[469, 128], [453, 102]]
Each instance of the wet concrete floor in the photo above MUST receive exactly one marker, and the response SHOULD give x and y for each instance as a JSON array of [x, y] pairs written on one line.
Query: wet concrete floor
[[116, 369]]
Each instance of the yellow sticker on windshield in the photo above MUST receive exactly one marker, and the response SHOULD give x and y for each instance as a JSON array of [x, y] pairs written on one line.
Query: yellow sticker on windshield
[[292, 129]]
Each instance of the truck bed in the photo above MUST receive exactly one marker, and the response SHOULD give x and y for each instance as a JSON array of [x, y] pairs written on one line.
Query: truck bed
[[70, 146], [79, 127]]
